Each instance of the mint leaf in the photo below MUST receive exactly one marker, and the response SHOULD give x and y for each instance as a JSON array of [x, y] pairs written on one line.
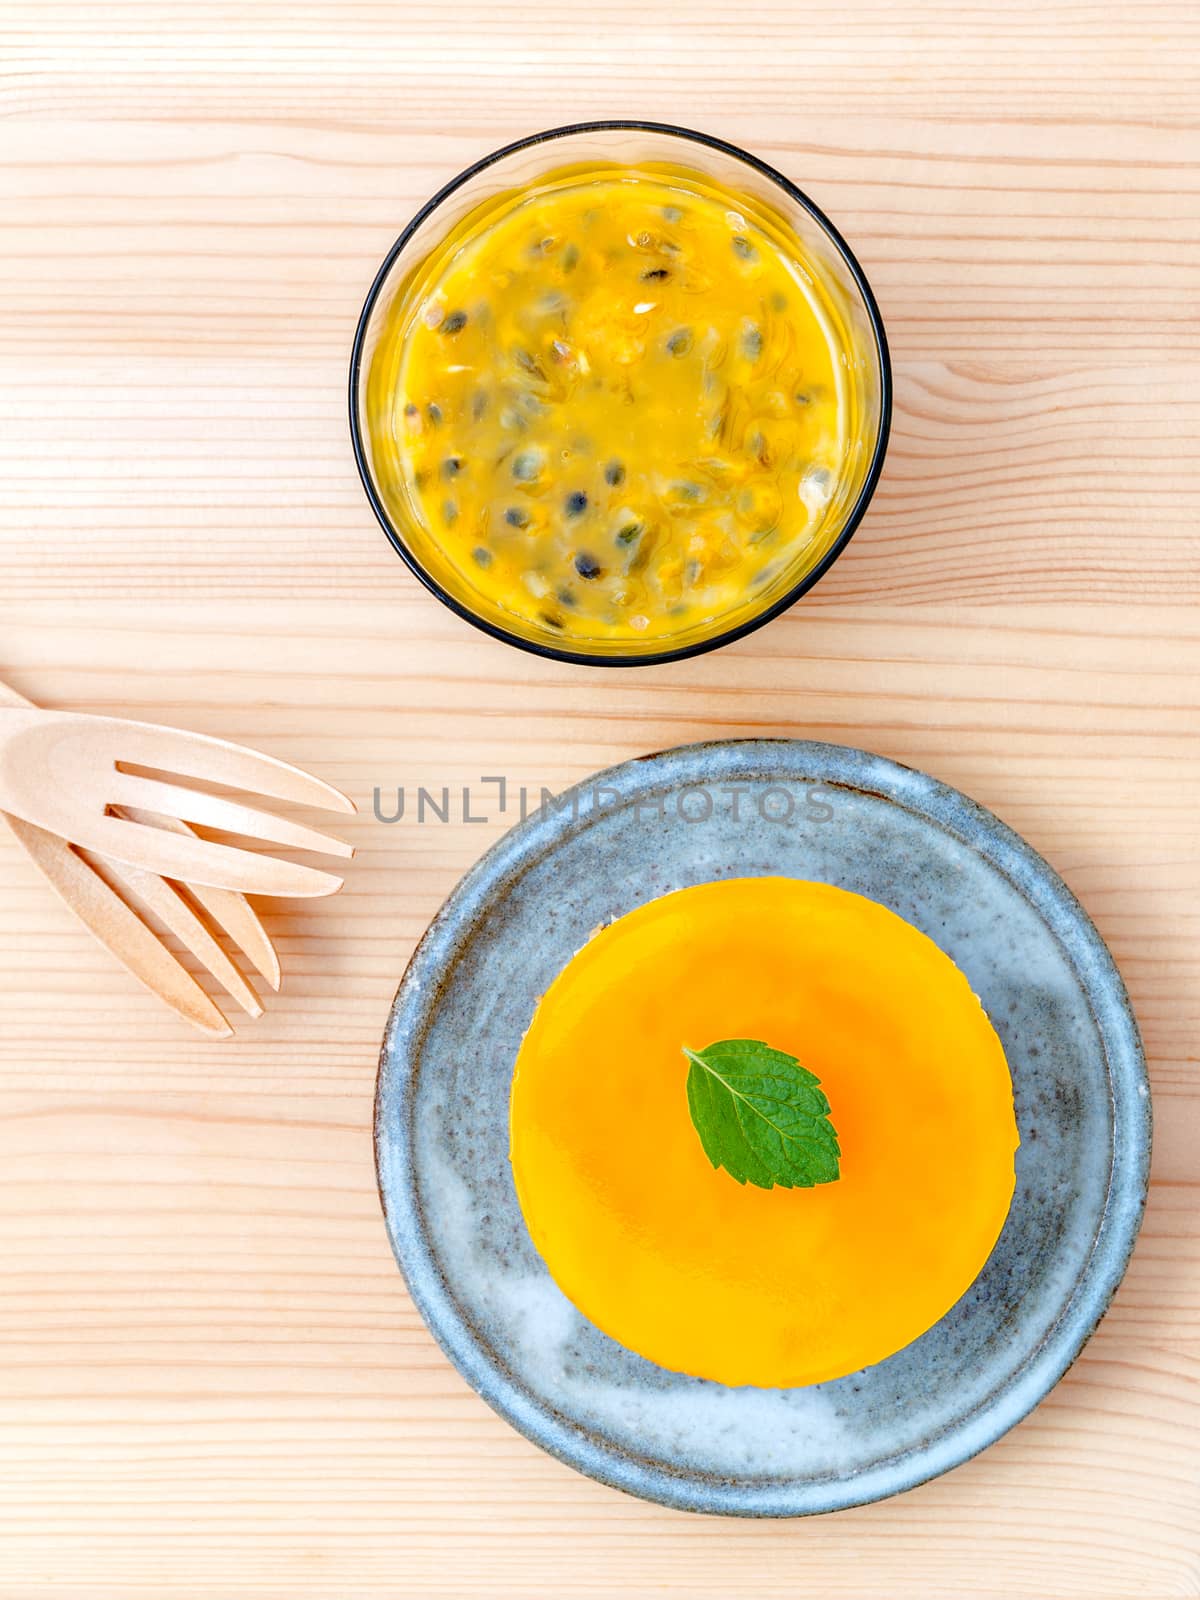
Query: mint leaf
[[761, 1115]]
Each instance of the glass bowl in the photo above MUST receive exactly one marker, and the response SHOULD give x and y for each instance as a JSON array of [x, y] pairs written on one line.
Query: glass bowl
[[823, 252]]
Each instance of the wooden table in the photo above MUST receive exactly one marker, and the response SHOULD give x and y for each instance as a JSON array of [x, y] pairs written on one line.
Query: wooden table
[[213, 1384]]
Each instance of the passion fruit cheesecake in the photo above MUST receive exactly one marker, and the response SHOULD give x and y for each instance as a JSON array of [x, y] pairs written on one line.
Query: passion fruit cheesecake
[[730, 1281]]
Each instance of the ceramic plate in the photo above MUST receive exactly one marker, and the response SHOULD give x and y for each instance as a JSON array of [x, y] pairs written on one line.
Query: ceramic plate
[[740, 809]]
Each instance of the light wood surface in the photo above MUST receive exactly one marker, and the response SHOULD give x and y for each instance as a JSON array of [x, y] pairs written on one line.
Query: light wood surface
[[212, 1382]]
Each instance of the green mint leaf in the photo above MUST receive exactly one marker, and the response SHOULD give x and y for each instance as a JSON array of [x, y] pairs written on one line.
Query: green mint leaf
[[761, 1115]]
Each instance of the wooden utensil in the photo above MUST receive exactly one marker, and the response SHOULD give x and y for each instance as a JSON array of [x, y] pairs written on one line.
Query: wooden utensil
[[98, 892], [71, 775]]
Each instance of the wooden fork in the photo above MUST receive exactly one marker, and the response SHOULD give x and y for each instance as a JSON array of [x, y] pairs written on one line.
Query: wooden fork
[[99, 892], [68, 774]]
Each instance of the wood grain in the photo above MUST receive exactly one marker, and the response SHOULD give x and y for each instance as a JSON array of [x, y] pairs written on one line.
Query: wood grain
[[211, 1380]]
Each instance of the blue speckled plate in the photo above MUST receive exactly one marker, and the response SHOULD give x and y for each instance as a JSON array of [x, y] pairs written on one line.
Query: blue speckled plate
[[810, 811]]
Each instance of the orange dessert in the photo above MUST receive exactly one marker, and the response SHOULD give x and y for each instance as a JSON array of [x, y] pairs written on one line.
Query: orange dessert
[[672, 1257]]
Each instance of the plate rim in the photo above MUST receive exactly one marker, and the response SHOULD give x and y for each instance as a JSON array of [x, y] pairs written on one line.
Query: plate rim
[[844, 766]]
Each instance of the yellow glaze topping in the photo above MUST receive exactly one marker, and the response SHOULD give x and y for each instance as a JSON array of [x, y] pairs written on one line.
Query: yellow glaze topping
[[614, 407], [741, 1285]]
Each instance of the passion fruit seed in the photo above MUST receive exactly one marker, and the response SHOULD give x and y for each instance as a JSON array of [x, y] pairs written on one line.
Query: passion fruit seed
[[529, 363], [526, 465]]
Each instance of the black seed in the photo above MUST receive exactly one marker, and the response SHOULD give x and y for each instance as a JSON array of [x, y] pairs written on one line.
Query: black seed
[[570, 258], [614, 473], [802, 397], [479, 405], [691, 572], [672, 214], [551, 620], [566, 597], [655, 274], [629, 532], [434, 412], [516, 518], [686, 490], [526, 465], [752, 342], [481, 557], [452, 466], [680, 342], [576, 503], [743, 247], [778, 301], [421, 478], [587, 566], [455, 322], [450, 512], [410, 409]]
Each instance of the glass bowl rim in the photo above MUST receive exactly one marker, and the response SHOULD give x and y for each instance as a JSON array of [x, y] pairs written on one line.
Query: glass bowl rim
[[804, 583]]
